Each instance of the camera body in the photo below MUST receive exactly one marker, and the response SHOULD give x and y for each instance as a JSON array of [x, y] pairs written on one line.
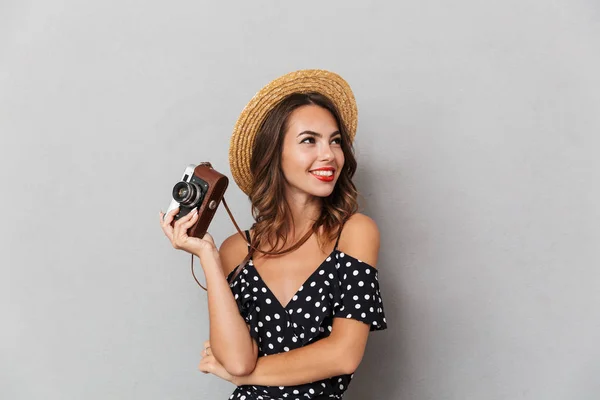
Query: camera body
[[200, 186]]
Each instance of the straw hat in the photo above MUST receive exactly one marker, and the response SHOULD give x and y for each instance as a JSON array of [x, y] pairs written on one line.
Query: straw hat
[[324, 82]]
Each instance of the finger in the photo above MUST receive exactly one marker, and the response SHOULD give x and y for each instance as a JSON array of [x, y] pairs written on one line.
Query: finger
[[204, 366], [189, 223], [186, 217], [168, 218], [166, 227], [180, 229], [170, 215]]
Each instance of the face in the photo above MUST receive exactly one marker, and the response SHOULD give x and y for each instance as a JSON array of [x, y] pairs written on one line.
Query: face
[[312, 156]]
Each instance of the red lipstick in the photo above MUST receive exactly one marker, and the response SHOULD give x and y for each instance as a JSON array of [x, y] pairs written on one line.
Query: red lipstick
[[326, 174]]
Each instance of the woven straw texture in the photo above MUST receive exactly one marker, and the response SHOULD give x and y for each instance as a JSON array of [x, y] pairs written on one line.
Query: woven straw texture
[[313, 80]]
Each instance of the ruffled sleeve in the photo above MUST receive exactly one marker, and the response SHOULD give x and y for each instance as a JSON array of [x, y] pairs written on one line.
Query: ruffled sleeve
[[358, 295], [245, 300]]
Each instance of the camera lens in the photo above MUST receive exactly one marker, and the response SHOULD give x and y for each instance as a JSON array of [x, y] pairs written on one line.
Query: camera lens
[[187, 194]]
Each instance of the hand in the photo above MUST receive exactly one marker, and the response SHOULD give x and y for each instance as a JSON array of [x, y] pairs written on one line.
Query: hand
[[209, 364], [177, 233]]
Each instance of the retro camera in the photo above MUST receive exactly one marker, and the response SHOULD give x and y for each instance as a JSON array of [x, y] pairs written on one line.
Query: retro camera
[[203, 187]]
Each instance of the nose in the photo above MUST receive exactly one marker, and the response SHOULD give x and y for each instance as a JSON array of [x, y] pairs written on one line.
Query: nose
[[326, 153]]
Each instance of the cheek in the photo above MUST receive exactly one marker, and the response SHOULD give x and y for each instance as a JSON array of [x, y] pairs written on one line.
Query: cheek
[[296, 160], [339, 158]]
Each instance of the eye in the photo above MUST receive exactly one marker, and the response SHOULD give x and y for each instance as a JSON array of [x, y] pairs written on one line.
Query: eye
[[337, 140], [309, 138]]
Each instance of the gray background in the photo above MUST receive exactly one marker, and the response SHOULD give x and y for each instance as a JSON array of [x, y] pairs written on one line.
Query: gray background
[[477, 150]]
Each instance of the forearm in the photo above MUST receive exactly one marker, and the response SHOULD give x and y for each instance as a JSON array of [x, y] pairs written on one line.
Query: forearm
[[230, 341], [310, 363]]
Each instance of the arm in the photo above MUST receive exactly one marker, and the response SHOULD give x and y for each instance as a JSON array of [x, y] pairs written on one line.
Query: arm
[[331, 356], [231, 343], [339, 353]]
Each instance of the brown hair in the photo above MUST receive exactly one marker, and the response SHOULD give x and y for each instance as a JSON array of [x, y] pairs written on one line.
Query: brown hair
[[269, 206]]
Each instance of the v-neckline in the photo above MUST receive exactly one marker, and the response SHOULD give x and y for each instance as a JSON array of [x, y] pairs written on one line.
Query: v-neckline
[[285, 308]]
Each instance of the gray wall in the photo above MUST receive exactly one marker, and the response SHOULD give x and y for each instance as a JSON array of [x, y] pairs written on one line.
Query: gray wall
[[477, 147]]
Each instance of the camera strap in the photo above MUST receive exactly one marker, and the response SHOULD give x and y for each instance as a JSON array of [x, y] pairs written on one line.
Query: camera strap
[[300, 242]]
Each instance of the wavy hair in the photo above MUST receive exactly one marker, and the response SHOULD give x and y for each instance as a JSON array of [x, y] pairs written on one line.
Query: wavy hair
[[270, 208]]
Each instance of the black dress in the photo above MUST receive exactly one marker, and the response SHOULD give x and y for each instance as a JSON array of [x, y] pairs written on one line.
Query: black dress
[[341, 287]]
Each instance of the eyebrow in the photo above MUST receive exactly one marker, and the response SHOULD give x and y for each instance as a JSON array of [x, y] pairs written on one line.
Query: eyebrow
[[311, 133]]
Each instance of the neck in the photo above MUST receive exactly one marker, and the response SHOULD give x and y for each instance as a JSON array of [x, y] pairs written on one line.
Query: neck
[[305, 210]]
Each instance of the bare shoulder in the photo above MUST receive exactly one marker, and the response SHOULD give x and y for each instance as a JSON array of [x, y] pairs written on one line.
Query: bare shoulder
[[360, 239], [232, 252]]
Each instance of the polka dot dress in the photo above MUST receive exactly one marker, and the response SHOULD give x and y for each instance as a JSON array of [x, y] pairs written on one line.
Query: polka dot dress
[[341, 287]]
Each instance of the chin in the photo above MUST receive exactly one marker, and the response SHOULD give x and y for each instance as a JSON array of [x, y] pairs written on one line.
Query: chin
[[322, 191]]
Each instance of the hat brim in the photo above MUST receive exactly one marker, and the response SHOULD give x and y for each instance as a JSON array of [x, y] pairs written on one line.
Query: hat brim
[[324, 82]]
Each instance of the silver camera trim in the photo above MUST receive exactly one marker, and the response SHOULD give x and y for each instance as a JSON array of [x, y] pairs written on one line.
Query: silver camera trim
[[189, 171]]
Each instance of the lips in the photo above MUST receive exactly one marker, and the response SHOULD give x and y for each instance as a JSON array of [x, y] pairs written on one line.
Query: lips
[[325, 174]]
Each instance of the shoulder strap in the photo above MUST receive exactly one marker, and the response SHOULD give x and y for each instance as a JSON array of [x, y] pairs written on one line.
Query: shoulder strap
[[247, 232]]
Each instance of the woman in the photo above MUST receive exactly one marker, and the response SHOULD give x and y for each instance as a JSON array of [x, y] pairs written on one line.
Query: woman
[[293, 324]]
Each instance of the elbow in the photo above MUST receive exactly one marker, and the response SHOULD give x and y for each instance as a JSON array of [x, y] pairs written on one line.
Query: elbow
[[349, 367], [351, 363], [239, 368]]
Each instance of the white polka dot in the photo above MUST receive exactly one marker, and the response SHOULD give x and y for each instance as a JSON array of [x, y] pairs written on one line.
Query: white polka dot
[[268, 301], [367, 297], [355, 273], [367, 271], [361, 284], [295, 298], [363, 315], [277, 316], [357, 306], [349, 287], [264, 290], [321, 272], [307, 315], [308, 298], [267, 318]]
